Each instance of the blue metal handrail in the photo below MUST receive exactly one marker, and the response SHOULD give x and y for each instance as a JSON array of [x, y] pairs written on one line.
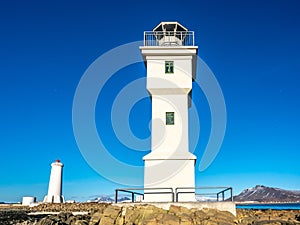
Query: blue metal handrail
[[177, 192], [133, 193]]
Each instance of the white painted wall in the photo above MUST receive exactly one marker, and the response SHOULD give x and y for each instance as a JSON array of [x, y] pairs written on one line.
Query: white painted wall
[[169, 164], [181, 79], [169, 140], [169, 173], [28, 200]]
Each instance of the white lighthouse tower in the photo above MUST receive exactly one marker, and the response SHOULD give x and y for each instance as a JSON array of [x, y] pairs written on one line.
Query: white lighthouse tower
[[55, 184], [170, 56]]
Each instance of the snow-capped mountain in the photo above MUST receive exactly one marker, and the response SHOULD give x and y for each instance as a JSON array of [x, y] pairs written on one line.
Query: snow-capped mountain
[[108, 199], [261, 193]]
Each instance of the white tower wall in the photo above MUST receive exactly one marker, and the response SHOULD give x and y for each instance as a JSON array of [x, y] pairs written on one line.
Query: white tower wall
[[169, 164], [181, 83], [168, 140], [172, 173], [55, 184]]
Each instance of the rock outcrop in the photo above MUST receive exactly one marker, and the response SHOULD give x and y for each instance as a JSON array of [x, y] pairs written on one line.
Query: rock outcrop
[[249, 216], [109, 214]]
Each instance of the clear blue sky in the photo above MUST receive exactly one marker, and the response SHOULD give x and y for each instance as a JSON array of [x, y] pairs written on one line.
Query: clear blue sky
[[252, 47]]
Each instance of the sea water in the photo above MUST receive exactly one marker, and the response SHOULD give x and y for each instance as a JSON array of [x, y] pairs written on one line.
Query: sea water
[[276, 206]]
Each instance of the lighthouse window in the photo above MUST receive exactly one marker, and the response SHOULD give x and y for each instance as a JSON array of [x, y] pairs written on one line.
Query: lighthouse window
[[169, 118], [169, 66]]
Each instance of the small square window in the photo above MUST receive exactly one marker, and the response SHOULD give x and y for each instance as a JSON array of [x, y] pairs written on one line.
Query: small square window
[[169, 66], [169, 118]]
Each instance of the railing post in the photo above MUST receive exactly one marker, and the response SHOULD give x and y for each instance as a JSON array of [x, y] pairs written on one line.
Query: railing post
[[116, 196], [231, 194], [132, 197]]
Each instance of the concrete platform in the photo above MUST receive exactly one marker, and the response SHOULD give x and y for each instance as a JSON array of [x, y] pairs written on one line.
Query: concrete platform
[[222, 206]]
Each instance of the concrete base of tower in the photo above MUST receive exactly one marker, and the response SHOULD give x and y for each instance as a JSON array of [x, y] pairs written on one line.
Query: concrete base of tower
[[54, 199], [162, 177]]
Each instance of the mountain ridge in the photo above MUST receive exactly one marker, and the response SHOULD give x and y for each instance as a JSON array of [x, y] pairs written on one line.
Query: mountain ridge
[[108, 199], [261, 193]]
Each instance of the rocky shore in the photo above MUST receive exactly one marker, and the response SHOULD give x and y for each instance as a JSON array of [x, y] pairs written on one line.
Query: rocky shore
[[107, 214]]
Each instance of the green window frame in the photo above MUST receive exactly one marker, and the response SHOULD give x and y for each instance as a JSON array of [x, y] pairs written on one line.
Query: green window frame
[[169, 67], [170, 118]]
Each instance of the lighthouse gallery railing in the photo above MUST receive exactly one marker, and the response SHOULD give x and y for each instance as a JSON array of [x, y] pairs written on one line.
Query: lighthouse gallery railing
[[169, 38]]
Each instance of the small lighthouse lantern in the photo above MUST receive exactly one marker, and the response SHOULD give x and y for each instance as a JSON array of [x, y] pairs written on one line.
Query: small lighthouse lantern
[[169, 34]]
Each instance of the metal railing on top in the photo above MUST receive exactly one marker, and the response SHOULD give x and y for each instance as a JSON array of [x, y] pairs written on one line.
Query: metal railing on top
[[169, 38]]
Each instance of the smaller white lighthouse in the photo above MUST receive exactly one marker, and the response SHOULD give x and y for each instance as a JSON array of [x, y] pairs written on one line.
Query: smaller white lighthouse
[[55, 184]]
